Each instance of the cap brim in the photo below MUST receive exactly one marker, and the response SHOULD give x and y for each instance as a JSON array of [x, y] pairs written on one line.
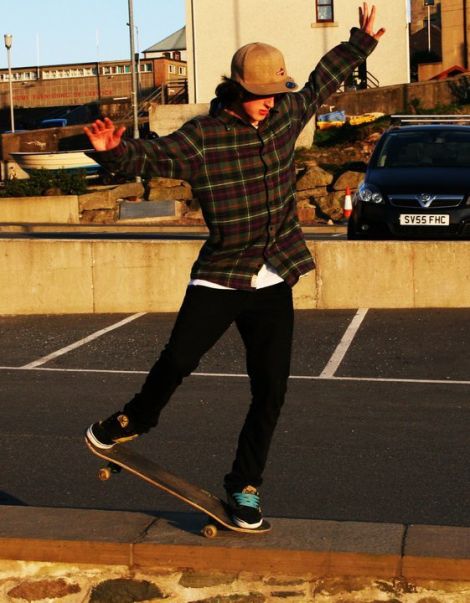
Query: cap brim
[[288, 85]]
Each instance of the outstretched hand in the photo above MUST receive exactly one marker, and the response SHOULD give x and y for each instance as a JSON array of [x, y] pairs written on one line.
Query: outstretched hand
[[103, 135], [367, 19]]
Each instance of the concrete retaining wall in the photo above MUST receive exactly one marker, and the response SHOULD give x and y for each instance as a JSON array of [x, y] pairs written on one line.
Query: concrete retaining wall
[[59, 209], [398, 98], [86, 276]]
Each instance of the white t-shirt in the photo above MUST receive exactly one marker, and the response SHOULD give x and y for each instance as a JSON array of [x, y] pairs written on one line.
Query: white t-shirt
[[266, 277]]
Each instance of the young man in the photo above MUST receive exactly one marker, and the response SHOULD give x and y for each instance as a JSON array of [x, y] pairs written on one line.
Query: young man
[[239, 161]]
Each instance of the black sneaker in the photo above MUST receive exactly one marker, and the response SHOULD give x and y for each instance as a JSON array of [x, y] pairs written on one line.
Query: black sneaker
[[245, 508], [118, 428]]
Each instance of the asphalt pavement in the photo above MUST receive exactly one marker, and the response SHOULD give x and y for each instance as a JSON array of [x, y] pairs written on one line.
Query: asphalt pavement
[[375, 426]]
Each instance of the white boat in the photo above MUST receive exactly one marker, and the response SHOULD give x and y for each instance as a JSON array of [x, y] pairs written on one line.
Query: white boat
[[71, 161]]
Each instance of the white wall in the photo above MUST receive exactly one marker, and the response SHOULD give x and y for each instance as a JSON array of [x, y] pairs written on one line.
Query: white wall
[[216, 28]]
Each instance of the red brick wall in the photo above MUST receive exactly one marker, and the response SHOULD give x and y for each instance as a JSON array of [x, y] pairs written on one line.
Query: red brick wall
[[80, 90], [73, 91]]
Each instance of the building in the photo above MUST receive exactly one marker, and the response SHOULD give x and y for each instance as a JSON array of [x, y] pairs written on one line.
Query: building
[[439, 37], [303, 29], [81, 83], [169, 57], [73, 84], [171, 47]]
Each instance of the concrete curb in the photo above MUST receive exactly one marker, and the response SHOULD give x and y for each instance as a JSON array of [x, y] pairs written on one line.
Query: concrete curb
[[136, 227], [294, 547]]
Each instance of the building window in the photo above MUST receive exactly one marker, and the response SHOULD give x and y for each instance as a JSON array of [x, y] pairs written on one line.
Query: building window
[[51, 75], [181, 70], [325, 11], [172, 68]]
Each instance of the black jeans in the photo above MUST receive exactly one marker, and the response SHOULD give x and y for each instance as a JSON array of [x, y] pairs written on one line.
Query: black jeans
[[264, 318]]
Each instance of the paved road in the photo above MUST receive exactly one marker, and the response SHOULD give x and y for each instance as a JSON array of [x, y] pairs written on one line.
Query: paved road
[[375, 427]]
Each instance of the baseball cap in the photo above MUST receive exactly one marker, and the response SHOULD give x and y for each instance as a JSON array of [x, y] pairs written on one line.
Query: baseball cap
[[261, 70]]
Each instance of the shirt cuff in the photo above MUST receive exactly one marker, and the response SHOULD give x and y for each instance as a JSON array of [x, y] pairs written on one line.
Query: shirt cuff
[[106, 156], [362, 41]]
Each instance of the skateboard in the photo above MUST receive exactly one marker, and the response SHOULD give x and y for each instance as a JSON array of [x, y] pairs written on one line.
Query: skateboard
[[124, 457]]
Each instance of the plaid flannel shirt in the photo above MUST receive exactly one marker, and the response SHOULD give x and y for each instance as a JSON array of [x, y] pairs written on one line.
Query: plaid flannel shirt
[[244, 177]]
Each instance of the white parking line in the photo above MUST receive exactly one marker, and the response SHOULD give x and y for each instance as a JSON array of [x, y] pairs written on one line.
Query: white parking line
[[77, 344], [343, 346], [244, 375]]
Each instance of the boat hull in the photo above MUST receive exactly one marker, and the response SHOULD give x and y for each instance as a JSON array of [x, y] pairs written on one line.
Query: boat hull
[[70, 161]]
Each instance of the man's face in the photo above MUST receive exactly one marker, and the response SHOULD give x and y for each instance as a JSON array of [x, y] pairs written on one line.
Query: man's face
[[257, 108]]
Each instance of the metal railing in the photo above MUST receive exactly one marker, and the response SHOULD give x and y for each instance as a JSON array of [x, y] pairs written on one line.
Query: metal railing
[[162, 94], [360, 79], [429, 119]]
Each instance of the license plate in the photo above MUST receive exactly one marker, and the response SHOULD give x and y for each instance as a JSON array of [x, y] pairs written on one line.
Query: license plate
[[424, 219]]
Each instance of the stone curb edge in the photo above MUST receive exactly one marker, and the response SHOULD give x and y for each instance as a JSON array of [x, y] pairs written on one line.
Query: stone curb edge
[[294, 547]]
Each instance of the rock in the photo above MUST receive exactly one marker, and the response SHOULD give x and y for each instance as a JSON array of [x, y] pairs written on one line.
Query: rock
[[176, 193], [121, 590], [306, 214], [314, 177], [308, 193], [162, 189], [206, 579], [329, 207], [106, 197], [128, 189], [304, 164], [351, 179], [98, 216], [35, 590], [158, 182]]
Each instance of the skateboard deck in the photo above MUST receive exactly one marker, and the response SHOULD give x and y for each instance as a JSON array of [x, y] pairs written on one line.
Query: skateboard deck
[[124, 457]]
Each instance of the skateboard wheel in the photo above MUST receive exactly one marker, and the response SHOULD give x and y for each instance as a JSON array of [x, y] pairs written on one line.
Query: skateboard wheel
[[209, 531], [104, 473]]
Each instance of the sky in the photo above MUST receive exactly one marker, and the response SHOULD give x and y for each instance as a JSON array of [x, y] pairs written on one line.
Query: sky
[[50, 32]]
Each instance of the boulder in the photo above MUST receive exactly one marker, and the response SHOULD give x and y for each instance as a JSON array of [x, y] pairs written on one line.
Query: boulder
[[106, 197], [163, 189], [351, 179], [313, 177], [308, 193], [329, 206]]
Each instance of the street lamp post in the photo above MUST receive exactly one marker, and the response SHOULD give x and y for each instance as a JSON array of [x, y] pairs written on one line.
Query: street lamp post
[[429, 3], [8, 42], [134, 100]]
